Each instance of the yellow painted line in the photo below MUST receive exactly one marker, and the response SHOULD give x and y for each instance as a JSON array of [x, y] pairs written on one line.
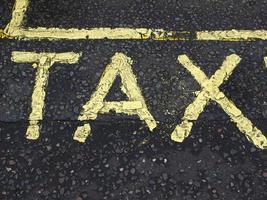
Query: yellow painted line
[[42, 62], [210, 91], [43, 33], [15, 29], [18, 14], [76, 34], [120, 65], [232, 35], [99, 33], [2, 34]]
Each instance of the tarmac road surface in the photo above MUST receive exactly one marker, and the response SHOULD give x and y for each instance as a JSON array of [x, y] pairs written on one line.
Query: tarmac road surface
[[122, 159]]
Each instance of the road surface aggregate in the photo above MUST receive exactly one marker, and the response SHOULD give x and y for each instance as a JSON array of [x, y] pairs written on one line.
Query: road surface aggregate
[[123, 159]]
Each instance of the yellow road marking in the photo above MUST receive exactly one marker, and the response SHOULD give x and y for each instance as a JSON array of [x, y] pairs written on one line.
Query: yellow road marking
[[120, 66], [232, 35], [18, 13], [76, 34], [43, 62], [15, 29], [210, 91], [2, 34], [135, 34]]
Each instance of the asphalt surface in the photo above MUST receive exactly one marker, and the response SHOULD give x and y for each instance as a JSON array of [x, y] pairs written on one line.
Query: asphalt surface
[[123, 159]]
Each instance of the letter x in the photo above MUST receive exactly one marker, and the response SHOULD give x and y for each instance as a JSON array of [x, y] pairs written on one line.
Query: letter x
[[210, 91]]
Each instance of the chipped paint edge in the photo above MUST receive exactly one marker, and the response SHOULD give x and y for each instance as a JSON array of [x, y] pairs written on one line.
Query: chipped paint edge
[[16, 30]]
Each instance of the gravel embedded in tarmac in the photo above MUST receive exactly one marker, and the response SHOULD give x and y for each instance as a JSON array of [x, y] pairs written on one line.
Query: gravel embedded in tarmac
[[122, 159]]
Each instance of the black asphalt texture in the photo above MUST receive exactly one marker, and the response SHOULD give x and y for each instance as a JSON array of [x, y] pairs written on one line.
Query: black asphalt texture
[[123, 160]]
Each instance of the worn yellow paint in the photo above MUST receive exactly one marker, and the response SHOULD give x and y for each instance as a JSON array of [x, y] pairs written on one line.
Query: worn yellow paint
[[120, 66], [76, 34], [135, 34], [2, 34], [99, 33], [42, 62], [232, 35], [265, 60], [18, 14], [82, 133], [15, 29], [210, 91]]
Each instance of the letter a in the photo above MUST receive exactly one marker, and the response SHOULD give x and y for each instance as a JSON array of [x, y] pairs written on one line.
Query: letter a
[[120, 65]]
